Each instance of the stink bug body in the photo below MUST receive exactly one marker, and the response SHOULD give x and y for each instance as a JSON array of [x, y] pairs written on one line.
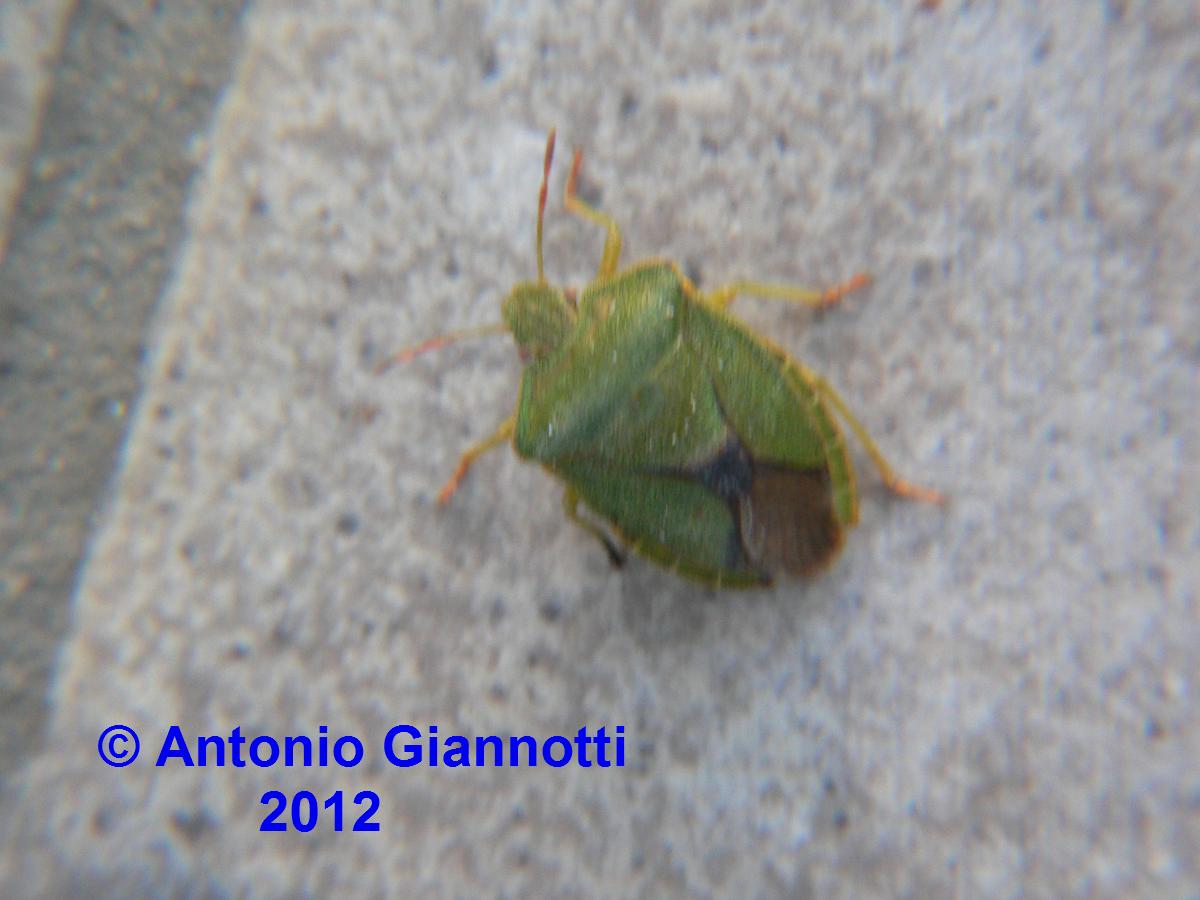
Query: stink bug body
[[701, 445]]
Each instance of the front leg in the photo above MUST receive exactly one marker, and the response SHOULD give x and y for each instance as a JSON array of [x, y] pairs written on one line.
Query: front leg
[[501, 434]]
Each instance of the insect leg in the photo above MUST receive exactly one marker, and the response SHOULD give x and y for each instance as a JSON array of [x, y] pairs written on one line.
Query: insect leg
[[502, 434], [571, 508], [435, 343], [723, 296], [549, 158], [612, 242], [894, 482]]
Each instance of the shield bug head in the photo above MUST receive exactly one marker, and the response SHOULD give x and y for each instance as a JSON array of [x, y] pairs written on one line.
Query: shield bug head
[[696, 442], [539, 318]]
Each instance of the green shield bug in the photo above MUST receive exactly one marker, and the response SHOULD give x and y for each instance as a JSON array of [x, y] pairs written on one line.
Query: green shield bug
[[697, 443]]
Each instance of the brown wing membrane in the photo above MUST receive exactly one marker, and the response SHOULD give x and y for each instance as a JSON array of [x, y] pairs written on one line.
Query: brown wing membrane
[[787, 520]]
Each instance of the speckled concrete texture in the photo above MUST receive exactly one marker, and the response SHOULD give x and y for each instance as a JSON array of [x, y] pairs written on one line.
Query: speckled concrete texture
[[30, 31], [992, 698]]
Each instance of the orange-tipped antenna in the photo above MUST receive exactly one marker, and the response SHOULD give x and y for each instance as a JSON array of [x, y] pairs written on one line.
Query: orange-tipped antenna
[[442, 340], [542, 203]]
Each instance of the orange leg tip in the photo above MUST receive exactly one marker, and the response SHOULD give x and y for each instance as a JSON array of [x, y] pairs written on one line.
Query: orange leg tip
[[451, 486], [448, 490], [919, 493], [861, 280], [838, 291], [404, 356]]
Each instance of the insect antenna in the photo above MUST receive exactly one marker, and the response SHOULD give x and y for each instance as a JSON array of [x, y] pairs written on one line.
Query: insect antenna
[[442, 340], [542, 203], [436, 343]]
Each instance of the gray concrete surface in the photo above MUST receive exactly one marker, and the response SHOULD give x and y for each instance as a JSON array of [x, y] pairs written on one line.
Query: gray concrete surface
[[994, 698], [30, 37], [94, 238]]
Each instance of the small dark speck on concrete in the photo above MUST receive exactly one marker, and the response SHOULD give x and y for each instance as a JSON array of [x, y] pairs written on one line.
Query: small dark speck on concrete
[[102, 820], [629, 104], [347, 523], [498, 610], [192, 825], [922, 271], [257, 204], [367, 351], [1043, 48], [646, 750], [489, 64]]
